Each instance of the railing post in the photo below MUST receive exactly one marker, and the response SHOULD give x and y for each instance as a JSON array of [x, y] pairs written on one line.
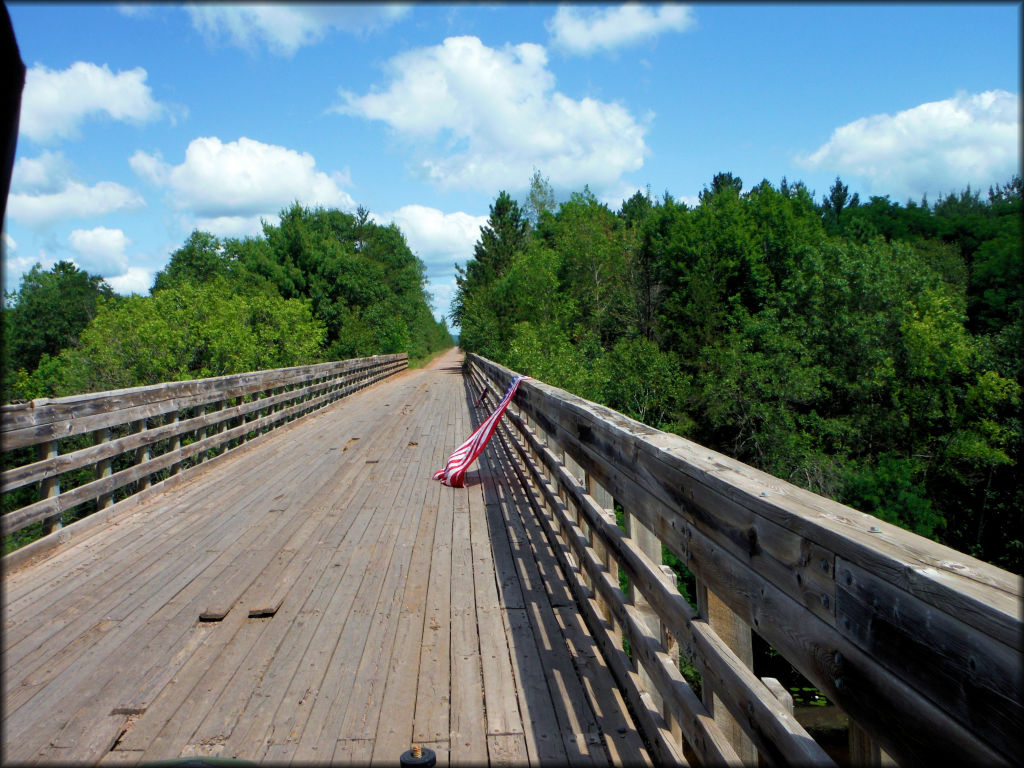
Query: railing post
[[200, 433], [175, 446], [575, 514], [144, 453], [865, 751], [647, 542], [49, 487], [103, 469], [607, 503], [671, 645], [736, 634]]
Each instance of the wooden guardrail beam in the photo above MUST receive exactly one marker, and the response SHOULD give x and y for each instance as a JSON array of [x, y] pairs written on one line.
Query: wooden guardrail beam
[[917, 643], [147, 425]]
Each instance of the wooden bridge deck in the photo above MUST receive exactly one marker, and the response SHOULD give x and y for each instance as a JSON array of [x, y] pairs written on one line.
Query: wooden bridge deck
[[351, 605]]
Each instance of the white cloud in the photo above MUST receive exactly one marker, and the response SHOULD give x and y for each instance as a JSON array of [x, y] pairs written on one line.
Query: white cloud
[[442, 291], [231, 226], [608, 28], [286, 28], [937, 147], [9, 243], [54, 103], [441, 240], [43, 190], [152, 168], [102, 250], [74, 201], [48, 173], [230, 185], [135, 11], [435, 236], [493, 117], [133, 280]]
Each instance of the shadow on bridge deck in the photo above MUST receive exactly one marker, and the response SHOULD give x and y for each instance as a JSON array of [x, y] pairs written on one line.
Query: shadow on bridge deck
[[318, 598]]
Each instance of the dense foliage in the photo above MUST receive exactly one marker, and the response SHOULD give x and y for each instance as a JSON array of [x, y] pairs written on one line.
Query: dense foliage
[[321, 285], [868, 351]]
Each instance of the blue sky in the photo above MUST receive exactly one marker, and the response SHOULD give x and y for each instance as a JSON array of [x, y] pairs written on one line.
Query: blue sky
[[142, 123]]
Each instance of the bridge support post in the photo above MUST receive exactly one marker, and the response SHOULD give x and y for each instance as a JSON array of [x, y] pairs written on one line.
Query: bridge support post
[[143, 454], [50, 487], [865, 751], [607, 503], [103, 469], [574, 512], [647, 542], [736, 634], [175, 446]]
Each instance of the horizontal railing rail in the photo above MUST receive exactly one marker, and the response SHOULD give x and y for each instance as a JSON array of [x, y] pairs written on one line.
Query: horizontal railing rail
[[917, 643], [145, 435]]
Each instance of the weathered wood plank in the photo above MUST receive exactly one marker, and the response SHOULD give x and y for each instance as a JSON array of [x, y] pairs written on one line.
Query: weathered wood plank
[[499, 683], [468, 728], [621, 740]]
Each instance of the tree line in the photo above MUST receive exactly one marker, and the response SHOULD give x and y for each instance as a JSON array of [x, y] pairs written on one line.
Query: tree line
[[320, 285], [868, 351]]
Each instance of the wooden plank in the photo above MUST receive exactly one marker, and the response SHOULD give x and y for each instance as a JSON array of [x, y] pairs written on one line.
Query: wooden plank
[[123, 666], [200, 681], [394, 733], [74, 568], [499, 682], [743, 691], [180, 573], [264, 728], [570, 703], [778, 734], [506, 749], [356, 712], [138, 581], [336, 665], [316, 571], [433, 702], [607, 439], [837, 666], [468, 729], [219, 722]]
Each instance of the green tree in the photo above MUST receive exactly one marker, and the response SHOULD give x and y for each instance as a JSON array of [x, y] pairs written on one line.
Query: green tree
[[540, 200], [188, 331], [505, 235], [45, 315], [837, 200]]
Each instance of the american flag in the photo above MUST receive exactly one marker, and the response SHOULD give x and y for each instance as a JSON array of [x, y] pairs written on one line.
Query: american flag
[[454, 472]]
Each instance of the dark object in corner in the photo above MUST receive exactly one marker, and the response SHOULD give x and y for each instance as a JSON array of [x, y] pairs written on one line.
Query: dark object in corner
[[12, 75]]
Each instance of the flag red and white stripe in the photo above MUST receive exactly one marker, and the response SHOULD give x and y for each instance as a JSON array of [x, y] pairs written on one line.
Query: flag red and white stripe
[[454, 472]]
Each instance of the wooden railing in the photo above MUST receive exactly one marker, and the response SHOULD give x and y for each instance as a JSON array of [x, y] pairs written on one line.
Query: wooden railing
[[917, 643], [142, 438]]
